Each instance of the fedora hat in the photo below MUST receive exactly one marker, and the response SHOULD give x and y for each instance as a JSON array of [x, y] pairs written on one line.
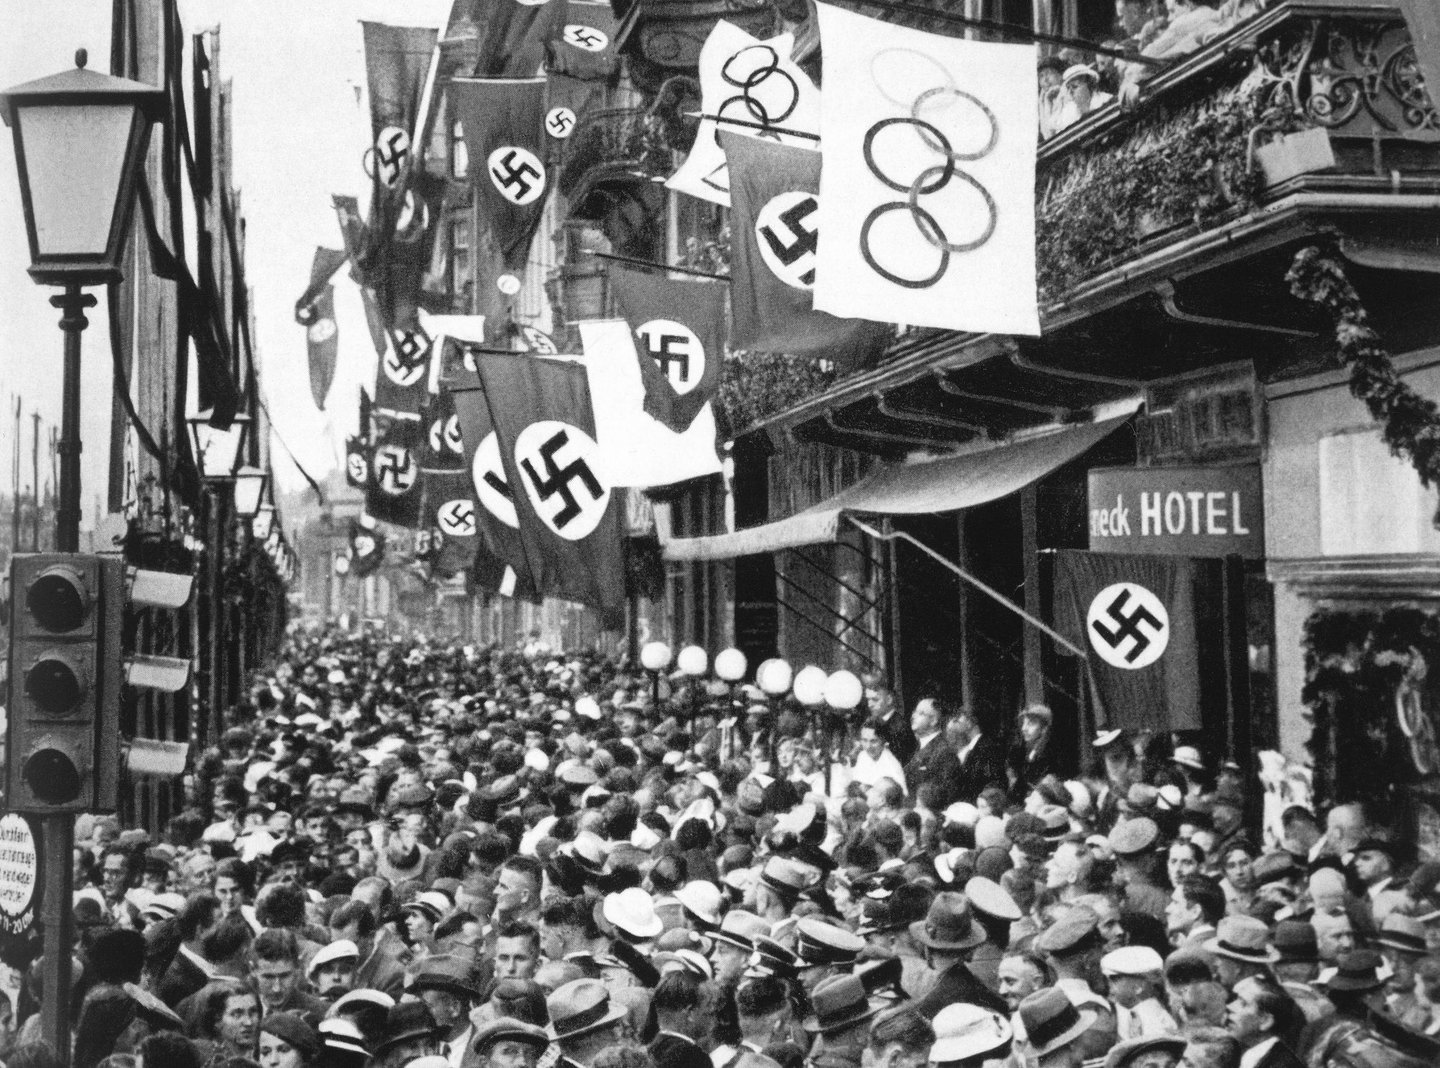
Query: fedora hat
[[839, 1002], [1357, 970], [1125, 1052], [949, 925], [1104, 739], [507, 1027], [1187, 756], [579, 1007], [701, 898], [632, 912], [1296, 943], [407, 1020], [1242, 938], [1403, 933], [966, 1031], [444, 973], [1051, 1020], [740, 929]]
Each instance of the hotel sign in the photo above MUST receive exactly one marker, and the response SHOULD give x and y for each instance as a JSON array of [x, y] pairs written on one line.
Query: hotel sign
[[1178, 511]]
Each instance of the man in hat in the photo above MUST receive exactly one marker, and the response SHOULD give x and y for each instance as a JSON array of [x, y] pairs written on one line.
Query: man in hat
[[995, 910], [1374, 865], [583, 1021], [505, 1043], [631, 915], [840, 1022], [1240, 949], [1401, 943], [967, 1036], [778, 889], [332, 969], [447, 986], [824, 950], [1297, 964], [1134, 978], [1132, 842], [1074, 946], [949, 933], [409, 1032], [734, 942], [1362, 1032], [1150, 1051], [1053, 1029]]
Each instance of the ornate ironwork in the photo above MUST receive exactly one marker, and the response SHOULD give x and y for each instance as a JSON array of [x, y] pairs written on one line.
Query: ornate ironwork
[[671, 34], [1355, 78]]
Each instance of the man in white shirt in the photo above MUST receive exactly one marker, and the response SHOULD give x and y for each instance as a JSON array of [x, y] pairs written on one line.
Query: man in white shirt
[[875, 761]]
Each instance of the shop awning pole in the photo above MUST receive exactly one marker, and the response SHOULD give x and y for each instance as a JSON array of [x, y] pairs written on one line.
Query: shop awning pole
[[1059, 639]]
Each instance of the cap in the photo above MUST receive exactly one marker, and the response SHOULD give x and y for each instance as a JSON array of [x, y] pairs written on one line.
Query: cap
[[1133, 836], [822, 943], [1132, 960], [342, 949]]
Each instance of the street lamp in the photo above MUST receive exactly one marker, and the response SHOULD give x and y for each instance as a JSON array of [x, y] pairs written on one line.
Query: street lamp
[[250, 483], [80, 141], [843, 692], [693, 663], [655, 658], [218, 449], [263, 522], [774, 676]]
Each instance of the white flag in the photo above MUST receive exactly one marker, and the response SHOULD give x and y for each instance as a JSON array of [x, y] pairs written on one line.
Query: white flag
[[754, 81], [635, 448], [460, 327], [927, 184]]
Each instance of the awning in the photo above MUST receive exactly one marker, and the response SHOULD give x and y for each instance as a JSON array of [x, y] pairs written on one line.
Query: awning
[[944, 485]]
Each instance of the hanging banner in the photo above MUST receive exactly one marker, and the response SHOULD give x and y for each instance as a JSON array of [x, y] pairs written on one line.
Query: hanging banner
[[452, 515], [1152, 627], [352, 229], [927, 206], [512, 34], [636, 449], [367, 547], [327, 261], [571, 520], [443, 448], [584, 46], [500, 559], [397, 62], [402, 381], [322, 344], [393, 493], [679, 330], [503, 123], [773, 263], [357, 462], [755, 81]]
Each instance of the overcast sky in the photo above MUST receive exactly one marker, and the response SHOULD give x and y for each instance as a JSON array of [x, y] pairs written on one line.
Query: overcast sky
[[299, 130]]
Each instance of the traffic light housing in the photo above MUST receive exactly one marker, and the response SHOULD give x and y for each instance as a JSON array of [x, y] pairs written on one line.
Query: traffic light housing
[[62, 750], [68, 663]]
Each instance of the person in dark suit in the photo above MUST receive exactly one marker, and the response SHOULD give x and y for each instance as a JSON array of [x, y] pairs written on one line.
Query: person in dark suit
[[894, 727], [1261, 1014], [934, 762], [949, 933], [1032, 759], [191, 969], [980, 759]]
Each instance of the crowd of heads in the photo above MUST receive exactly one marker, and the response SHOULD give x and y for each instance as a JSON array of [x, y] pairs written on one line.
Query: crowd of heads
[[405, 853]]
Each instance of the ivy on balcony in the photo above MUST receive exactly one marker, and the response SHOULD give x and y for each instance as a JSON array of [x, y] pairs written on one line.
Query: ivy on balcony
[[1186, 167]]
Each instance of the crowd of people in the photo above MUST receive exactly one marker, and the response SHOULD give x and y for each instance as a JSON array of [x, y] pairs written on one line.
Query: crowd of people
[[1152, 33], [415, 854]]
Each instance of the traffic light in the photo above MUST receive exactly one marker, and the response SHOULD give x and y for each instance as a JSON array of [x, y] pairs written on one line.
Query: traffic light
[[67, 666]]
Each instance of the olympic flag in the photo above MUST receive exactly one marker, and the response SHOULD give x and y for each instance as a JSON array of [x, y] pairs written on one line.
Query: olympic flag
[[927, 189], [754, 81]]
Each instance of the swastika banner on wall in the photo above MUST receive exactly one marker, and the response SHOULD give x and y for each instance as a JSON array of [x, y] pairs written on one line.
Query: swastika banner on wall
[[927, 202], [1152, 630], [503, 121]]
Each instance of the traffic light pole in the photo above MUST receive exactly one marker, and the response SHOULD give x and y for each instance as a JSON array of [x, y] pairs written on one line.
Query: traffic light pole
[[58, 919], [72, 304]]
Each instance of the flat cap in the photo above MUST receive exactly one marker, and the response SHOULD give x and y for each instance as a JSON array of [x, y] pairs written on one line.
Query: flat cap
[[1074, 933], [1132, 960], [1134, 836]]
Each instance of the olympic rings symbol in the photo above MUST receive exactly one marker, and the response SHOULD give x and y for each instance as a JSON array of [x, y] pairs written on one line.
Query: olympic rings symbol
[[769, 67], [930, 180]]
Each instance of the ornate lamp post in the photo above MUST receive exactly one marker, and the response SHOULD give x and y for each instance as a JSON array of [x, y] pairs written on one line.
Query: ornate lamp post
[[655, 658], [843, 693], [693, 663], [80, 142], [774, 677]]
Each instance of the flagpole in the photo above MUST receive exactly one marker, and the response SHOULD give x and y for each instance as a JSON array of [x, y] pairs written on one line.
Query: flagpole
[[653, 265], [767, 127]]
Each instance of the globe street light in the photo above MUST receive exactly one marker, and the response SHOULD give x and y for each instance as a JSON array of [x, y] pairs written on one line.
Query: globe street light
[[80, 141], [774, 676], [693, 663], [655, 658], [843, 692]]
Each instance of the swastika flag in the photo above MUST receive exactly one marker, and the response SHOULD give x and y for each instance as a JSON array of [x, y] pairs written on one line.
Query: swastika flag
[[582, 44], [1151, 630], [927, 207], [393, 487], [503, 121], [774, 206], [571, 518], [679, 331]]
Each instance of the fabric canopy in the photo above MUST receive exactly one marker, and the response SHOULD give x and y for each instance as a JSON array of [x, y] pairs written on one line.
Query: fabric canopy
[[944, 485]]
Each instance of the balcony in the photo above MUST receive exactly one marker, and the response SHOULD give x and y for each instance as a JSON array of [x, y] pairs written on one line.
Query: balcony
[[612, 174], [1164, 232]]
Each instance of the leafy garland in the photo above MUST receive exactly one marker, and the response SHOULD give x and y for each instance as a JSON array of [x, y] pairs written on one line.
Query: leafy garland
[[1186, 167], [1409, 422], [1354, 663]]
